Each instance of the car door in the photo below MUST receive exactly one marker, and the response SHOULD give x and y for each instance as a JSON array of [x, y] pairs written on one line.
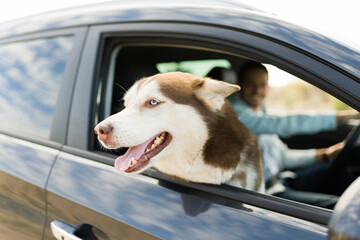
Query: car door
[[24, 170], [87, 198], [32, 72]]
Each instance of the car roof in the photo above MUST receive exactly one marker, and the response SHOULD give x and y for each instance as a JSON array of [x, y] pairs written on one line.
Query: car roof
[[226, 13], [114, 11]]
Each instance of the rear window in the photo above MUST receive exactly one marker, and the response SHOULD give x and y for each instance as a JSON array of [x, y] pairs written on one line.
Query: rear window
[[30, 77]]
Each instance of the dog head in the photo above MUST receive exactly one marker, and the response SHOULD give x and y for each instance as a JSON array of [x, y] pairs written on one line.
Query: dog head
[[164, 117]]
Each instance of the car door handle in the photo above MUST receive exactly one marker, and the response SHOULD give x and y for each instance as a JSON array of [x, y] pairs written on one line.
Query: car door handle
[[63, 231]]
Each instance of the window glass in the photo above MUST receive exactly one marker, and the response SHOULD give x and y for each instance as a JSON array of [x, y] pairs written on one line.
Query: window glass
[[30, 76]]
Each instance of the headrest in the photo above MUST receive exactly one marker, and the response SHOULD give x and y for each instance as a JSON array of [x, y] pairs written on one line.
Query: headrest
[[224, 74]]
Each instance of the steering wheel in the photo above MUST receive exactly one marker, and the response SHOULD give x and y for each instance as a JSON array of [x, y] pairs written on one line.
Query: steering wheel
[[349, 141]]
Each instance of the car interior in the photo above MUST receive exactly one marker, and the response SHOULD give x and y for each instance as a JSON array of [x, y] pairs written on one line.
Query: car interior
[[124, 63]]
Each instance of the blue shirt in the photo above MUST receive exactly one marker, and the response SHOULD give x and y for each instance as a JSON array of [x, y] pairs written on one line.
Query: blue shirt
[[276, 155], [283, 126]]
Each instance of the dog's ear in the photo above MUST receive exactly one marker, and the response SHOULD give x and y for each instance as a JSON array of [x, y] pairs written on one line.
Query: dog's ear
[[214, 92]]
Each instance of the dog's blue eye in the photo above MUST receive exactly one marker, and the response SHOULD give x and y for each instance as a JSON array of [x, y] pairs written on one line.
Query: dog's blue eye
[[153, 102]]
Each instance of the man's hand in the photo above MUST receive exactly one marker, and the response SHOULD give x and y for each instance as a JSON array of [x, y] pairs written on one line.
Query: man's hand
[[328, 154]]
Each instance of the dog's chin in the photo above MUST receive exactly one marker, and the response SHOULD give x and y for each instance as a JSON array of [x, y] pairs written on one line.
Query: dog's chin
[[139, 158]]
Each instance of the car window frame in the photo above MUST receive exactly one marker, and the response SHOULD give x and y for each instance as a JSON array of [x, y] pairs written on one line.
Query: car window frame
[[81, 138]]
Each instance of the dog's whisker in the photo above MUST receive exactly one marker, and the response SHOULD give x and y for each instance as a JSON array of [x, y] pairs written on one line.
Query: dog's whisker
[[149, 173], [103, 148], [118, 85], [196, 156]]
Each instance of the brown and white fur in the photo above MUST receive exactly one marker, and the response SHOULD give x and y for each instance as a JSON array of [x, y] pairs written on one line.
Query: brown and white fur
[[190, 131]]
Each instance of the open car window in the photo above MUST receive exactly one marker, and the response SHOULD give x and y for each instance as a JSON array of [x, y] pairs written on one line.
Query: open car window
[[127, 63]]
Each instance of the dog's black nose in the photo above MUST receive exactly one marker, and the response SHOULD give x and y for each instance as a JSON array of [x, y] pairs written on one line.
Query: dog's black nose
[[102, 130]]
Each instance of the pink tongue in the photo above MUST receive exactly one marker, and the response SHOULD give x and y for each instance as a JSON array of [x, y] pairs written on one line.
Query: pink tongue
[[123, 162]]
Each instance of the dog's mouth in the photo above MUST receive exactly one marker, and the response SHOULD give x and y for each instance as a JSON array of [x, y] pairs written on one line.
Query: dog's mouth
[[137, 157]]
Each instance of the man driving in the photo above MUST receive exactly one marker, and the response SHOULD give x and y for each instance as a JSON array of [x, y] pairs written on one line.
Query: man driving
[[309, 181]]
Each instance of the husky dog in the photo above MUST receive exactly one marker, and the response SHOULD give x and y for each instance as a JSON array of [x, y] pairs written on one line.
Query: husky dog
[[184, 126]]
